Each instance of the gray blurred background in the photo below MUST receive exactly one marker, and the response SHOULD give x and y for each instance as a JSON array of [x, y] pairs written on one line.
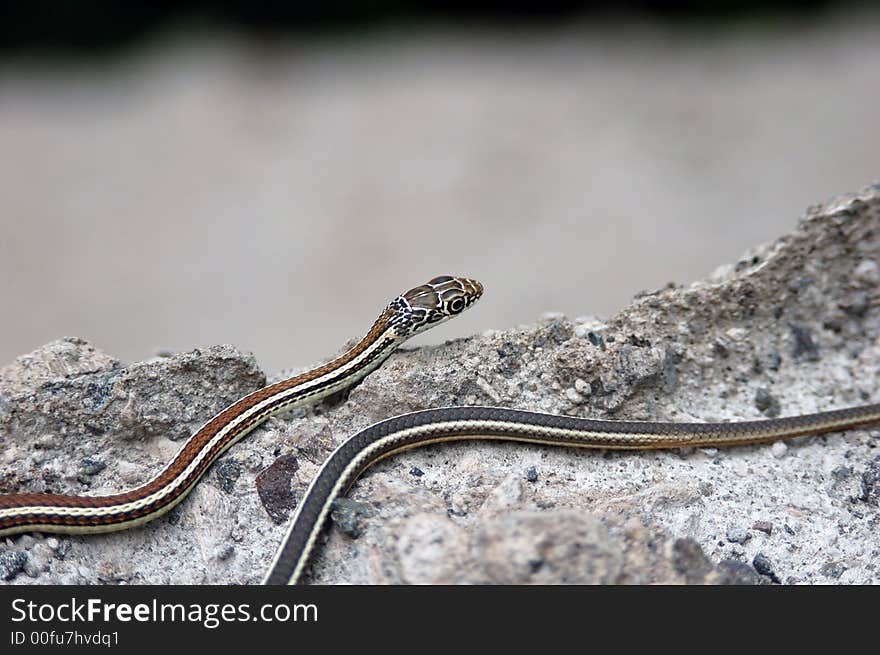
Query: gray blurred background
[[272, 180]]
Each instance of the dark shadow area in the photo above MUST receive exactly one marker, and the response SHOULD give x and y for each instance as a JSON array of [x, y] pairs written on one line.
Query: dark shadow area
[[99, 27]]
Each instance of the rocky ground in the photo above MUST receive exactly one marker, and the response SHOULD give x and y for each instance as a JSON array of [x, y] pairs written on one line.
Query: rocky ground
[[790, 328]]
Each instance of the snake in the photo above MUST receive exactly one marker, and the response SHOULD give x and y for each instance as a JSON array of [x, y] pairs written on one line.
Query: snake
[[410, 313]]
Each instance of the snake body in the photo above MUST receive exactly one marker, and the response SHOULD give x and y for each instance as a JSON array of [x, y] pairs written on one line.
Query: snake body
[[410, 313]]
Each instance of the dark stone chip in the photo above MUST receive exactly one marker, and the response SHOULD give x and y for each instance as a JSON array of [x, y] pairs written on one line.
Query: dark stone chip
[[871, 482], [346, 514], [764, 567], [732, 572], [228, 472], [92, 466], [273, 487], [765, 402], [803, 344]]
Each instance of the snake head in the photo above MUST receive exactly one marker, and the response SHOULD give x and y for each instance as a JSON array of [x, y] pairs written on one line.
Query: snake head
[[430, 304]]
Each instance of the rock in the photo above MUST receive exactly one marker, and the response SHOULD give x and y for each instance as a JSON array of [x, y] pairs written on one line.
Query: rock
[[763, 566], [481, 513], [12, 563], [765, 402], [763, 526], [274, 487], [732, 572], [737, 535]]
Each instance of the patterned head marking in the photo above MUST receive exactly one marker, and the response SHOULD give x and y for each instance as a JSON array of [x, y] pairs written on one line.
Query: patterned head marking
[[432, 303]]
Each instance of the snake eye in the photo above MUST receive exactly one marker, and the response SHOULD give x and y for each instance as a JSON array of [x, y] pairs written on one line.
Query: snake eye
[[456, 305]]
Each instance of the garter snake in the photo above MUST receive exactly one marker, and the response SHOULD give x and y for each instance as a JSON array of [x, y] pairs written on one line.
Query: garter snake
[[410, 313]]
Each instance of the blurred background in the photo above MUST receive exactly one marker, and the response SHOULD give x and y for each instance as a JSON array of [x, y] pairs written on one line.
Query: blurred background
[[184, 174]]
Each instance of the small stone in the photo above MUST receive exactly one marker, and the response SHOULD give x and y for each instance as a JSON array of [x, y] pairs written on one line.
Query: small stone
[[487, 389], [737, 535], [774, 361], [856, 304], [732, 572], [721, 347], [763, 566], [274, 487], [765, 402], [532, 474], [52, 543], [12, 563], [841, 473], [550, 317], [38, 560], [763, 526], [224, 551], [706, 488], [582, 387], [347, 515], [91, 466], [778, 450], [228, 471], [574, 397], [867, 272], [871, 482], [833, 569], [803, 344], [416, 471]]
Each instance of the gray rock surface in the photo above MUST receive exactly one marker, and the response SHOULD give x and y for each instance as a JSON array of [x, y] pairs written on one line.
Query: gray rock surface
[[791, 328]]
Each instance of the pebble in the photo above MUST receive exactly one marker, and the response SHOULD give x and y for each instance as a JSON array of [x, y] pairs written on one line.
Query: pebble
[[867, 272], [833, 569], [91, 466], [532, 474], [733, 572], [488, 390], [803, 344], [583, 387], [841, 473], [778, 450], [737, 535], [765, 402], [574, 397], [228, 471], [416, 471], [224, 551], [347, 514], [764, 567], [12, 563], [764, 526], [737, 333]]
